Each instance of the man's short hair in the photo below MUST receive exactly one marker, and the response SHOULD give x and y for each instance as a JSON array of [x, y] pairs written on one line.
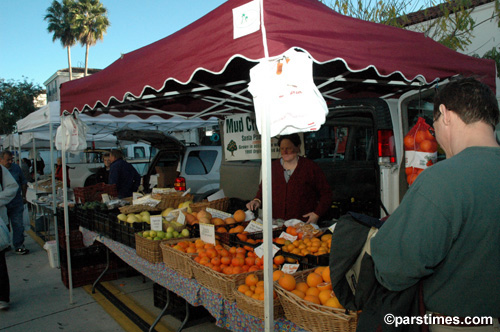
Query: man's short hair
[[470, 99], [5, 153], [118, 154], [105, 154]]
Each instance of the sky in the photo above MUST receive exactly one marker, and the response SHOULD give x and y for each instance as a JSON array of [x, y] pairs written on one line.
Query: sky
[[28, 52]]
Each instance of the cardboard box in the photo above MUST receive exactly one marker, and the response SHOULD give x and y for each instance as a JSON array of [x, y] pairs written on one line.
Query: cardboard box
[[166, 176]]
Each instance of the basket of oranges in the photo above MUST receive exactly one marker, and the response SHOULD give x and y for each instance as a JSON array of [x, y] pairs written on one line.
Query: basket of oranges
[[308, 301], [249, 296], [177, 254], [219, 268]]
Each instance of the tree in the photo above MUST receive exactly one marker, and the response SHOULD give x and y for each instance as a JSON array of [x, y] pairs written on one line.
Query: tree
[[231, 147], [16, 102], [90, 17], [60, 18]]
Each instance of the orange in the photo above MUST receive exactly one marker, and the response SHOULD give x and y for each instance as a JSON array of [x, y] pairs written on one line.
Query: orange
[[249, 293], [411, 178], [313, 279], [291, 230], [287, 281], [278, 260], [229, 220], [243, 288], [221, 230], [312, 291], [251, 280], [312, 298], [319, 269], [302, 286], [326, 274], [409, 142], [326, 237], [420, 136], [334, 303], [299, 293], [239, 216], [277, 274], [324, 296], [324, 285], [259, 290]]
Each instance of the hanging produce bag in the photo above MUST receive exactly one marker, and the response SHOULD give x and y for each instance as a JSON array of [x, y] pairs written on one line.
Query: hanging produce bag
[[420, 150]]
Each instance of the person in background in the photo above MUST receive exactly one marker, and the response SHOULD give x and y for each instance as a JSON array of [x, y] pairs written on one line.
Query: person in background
[[25, 167], [300, 188], [59, 173], [123, 175], [103, 172], [8, 190], [446, 231], [15, 208]]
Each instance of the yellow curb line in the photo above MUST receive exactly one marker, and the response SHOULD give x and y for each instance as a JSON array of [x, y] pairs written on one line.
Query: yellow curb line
[[119, 316], [36, 238]]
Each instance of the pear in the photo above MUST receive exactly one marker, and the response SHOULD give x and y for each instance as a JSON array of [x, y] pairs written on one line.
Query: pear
[[122, 217], [166, 212], [132, 219]]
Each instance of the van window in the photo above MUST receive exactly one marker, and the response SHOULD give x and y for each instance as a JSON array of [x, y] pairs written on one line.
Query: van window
[[200, 162], [139, 152]]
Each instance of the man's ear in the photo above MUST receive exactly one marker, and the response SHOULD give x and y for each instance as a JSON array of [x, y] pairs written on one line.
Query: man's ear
[[445, 113]]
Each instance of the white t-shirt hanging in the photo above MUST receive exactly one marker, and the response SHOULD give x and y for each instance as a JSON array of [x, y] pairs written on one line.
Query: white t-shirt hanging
[[286, 88]]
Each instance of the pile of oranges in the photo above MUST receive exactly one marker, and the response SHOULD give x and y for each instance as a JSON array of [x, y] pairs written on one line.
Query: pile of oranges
[[205, 217], [314, 246], [232, 260], [254, 288], [316, 288]]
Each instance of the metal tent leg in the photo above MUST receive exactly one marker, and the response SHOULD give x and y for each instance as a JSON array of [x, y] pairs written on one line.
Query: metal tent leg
[[103, 272], [185, 318], [162, 313]]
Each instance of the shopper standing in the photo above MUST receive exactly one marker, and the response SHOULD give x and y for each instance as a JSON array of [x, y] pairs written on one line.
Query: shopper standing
[[15, 208], [124, 175], [8, 190], [446, 232]]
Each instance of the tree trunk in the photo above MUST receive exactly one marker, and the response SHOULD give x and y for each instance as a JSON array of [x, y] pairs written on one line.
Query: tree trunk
[[86, 58], [69, 64]]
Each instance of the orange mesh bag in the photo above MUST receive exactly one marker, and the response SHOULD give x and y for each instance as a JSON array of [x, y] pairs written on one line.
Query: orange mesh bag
[[420, 150]]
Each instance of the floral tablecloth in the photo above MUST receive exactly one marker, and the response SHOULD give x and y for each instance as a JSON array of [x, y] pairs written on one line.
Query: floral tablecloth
[[225, 312]]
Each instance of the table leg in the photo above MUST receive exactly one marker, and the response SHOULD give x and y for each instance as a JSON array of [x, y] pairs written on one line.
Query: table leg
[[103, 272], [185, 318], [162, 313]]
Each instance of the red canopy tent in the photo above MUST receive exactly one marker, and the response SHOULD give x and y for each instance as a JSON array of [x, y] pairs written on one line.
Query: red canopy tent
[[201, 70]]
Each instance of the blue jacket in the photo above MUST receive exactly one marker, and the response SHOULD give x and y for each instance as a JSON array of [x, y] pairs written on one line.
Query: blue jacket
[[125, 177]]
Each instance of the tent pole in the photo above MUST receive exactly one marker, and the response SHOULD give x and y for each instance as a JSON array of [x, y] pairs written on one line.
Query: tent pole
[[19, 149], [267, 202], [66, 216], [54, 193], [34, 168]]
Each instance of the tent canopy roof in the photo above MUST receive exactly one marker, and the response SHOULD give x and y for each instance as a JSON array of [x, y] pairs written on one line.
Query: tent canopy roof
[[201, 71]]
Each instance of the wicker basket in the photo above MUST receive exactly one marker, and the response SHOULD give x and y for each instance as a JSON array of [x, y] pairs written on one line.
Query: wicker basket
[[171, 200], [314, 317], [219, 204], [138, 208], [256, 307], [177, 260], [148, 249], [223, 284], [93, 193]]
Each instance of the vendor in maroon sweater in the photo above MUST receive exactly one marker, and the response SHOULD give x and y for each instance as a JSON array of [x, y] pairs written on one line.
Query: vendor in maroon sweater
[[300, 189]]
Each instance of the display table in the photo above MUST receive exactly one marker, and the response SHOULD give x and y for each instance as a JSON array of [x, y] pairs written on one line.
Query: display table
[[225, 312]]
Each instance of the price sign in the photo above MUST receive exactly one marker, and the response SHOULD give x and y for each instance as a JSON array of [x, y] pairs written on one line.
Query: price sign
[[156, 223], [332, 227], [136, 196], [290, 268], [259, 251], [181, 219], [207, 233], [253, 227], [288, 237], [105, 198]]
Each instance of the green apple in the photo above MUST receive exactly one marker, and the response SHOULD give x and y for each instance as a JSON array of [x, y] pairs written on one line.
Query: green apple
[[145, 234], [157, 238], [152, 233], [170, 229], [160, 234], [149, 238], [140, 234], [175, 234], [169, 235], [185, 232]]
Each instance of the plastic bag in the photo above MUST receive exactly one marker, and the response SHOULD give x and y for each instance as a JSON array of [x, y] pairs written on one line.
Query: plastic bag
[[420, 150], [72, 134], [285, 87]]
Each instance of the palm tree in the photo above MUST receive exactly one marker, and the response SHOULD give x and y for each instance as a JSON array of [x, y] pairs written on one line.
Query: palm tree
[[59, 16], [92, 22]]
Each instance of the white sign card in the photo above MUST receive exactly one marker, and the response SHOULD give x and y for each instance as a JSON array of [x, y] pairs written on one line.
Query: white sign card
[[332, 227], [136, 196], [181, 219], [290, 268], [246, 19], [259, 251], [156, 223], [287, 236], [253, 227], [105, 198], [216, 196], [207, 233]]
